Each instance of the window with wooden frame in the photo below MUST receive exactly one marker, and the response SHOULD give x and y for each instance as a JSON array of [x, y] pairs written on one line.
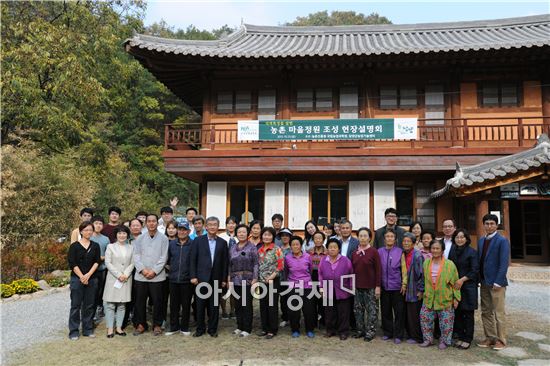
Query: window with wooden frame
[[425, 206], [267, 104], [349, 102], [398, 97], [404, 204], [314, 100], [246, 202], [239, 101], [329, 202], [435, 105], [499, 94]]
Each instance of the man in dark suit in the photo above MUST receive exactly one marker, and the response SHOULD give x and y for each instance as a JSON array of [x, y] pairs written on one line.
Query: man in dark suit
[[494, 258], [391, 217], [349, 242], [208, 267]]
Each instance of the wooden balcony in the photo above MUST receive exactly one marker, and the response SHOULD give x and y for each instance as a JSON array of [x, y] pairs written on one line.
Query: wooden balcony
[[505, 134], [209, 151]]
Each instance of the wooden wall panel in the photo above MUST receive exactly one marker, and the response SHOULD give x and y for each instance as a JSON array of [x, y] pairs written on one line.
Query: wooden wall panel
[[274, 200], [359, 203], [384, 197], [298, 204], [216, 201]]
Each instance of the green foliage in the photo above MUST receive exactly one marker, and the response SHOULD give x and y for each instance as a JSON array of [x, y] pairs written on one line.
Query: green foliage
[[6, 290], [54, 281], [339, 18], [41, 193], [25, 286], [33, 258], [82, 121], [162, 29]]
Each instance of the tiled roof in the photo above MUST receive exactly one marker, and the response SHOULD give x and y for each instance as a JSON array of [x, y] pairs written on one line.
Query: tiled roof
[[501, 167], [252, 41]]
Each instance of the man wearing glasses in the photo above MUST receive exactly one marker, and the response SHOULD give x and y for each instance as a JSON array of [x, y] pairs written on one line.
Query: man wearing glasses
[[391, 217], [449, 228]]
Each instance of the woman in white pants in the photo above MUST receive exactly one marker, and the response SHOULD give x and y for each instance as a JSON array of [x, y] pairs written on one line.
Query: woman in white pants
[[118, 285]]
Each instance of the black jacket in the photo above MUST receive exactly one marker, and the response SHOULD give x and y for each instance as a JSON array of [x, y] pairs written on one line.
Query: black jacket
[[179, 259], [467, 265], [379, 236], [201, 266]]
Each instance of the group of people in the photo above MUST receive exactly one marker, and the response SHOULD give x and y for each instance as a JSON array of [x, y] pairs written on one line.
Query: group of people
[[425, 287]]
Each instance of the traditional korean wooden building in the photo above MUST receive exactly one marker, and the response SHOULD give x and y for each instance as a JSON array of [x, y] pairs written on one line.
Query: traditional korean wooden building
[[478, 92]]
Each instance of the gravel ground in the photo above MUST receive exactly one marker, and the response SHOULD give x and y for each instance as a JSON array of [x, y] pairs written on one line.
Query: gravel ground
[[534, 298], [28, 322]]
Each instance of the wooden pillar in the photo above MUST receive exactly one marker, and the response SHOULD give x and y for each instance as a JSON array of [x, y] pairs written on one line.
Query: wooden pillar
[[206, 111], [286, 92], [455, 110], [545, 92], [368, 104], [202, 196], [285, 95], [505, 204], [482, 208]]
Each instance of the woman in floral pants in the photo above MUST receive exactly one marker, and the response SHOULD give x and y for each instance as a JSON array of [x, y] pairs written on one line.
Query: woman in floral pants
[[440, 296]]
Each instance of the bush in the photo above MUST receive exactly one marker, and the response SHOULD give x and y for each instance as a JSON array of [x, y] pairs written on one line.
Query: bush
[[33, 259], [25, 286], [56, 281], [6, 290]]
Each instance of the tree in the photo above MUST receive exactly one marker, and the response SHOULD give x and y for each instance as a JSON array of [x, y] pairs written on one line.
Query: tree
[[339, 18], [72, 93]]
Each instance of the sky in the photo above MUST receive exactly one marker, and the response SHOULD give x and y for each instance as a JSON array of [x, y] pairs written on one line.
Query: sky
[[209, 14]]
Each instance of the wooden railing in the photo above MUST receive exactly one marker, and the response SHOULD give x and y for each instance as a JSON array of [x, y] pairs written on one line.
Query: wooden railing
[[456, 132]]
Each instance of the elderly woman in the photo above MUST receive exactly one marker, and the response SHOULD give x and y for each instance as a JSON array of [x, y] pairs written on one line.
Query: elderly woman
[[331, 270], [84, 258], [243, 273], [230, 237], [271, 264], [284, 236], [317, 254], [368, 275], [415, 288], [465, 259], [298, 274], [440, 296], [394, 286], [254, 236], [118, 285]]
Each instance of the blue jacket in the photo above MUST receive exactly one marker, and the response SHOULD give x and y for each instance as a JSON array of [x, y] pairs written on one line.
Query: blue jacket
[[496, 261], [179, 259]]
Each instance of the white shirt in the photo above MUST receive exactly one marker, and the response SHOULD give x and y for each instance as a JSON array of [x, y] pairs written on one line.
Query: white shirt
[[448, 244], [161, 229], [345, 245]]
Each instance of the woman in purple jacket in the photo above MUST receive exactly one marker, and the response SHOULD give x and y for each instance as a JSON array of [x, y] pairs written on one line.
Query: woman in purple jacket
[[298, 273], [331, 269], [394, 286]]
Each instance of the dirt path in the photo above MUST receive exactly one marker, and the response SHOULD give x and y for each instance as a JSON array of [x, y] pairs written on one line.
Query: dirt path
[[228, 349]]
